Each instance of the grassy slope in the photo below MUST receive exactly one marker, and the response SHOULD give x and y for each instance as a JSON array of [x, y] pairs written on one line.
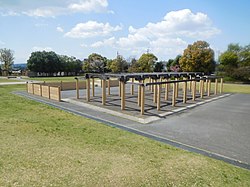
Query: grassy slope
[[40, 146]]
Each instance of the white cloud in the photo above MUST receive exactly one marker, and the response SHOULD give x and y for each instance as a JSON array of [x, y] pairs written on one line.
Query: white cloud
[[48, 8], [169, 37], [38, 48], [89, 6], [106, 42], [59, 29], [92, 29]]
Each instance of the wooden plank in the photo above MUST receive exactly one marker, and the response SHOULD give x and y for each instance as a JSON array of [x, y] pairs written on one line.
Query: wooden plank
[[45, 91]]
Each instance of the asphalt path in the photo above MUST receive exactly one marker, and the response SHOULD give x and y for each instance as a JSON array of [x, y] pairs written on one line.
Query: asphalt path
[[219, 129]]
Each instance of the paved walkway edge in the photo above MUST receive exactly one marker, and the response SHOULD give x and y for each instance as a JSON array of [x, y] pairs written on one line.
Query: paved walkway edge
[[138, 132]]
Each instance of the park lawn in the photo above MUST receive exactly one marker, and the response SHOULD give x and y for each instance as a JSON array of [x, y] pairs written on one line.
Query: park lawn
[[237, 88], [44, 146], [3, 80]]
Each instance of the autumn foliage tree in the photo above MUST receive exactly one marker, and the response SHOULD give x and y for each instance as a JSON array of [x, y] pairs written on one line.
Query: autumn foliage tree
[[198, 57]]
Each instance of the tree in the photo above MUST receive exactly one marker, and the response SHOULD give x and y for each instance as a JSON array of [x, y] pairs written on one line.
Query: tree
[[44, 62], [118, 65], [133, 66], [159, 66], [235, 62], [70, 64], [7, 58], [147, 62], [198, 57], [95, 63]]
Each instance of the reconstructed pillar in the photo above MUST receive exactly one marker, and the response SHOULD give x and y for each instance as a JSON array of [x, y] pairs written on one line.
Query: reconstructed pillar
[[142, 98], [139, 94], [159, 97], [120, 88], [184, 92], [216, 87], [209, 87], [206, 87], [88, 90], [123, 95], [93, 87], [173, 95], [77, 89], [194, 90], [190, 83], [201, 88], [152, 86], [166, 91], [149, 80], [103, 92], [155, 93], [132, 87], [177, 88], [108, 86], [221, 85]]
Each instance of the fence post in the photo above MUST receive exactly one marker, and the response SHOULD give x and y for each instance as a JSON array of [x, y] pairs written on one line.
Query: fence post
[[49, 91], [173, 95], [93, 87], [159, 97], [194, 90], [221, 85], [216, 87], [88, 90], [59, 93], [123, 95], [185, 92], [103, 92], [209, 87], [132, 87], [139, 95], [142, 93], [77, 88]]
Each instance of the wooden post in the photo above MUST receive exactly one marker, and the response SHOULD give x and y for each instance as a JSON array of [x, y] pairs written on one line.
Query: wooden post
[[61, 85], [149, 80], [159, 97], [221, 85], [206, 85], [190, 84], [166, 91], [194, 90], [77, 89], [152, 86], [120, 89], [59, 93], [209, 87], [108, 86], [142, 99], [40, 88], [93, 87], [32, 88], [155, 92], [103, 92], [216, 87], [88, 90], [173, 95], [49, 91], [123, 95], [200, 85], [184, 92], [201, 88], [177, 88], [132, 87], [139, 94]]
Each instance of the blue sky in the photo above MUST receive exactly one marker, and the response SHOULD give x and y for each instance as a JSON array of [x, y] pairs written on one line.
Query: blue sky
[[131, 27]]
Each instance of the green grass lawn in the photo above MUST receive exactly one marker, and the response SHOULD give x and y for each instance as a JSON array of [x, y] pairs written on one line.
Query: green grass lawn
[[3, 80], [43, 146]]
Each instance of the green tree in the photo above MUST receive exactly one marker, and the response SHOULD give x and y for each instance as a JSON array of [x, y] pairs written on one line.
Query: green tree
[[70, 65], [7, 58], [133, 66], [118, 65], [95, 63], [44, 62], [147, 62], [159, 66], [235, 62], [198, 57]]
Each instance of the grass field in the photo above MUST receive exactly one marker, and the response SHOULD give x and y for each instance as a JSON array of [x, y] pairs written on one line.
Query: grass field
[[52, 79], [3, 80], [43, 146]]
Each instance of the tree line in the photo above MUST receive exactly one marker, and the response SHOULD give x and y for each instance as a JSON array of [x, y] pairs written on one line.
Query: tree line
[[234, 63]]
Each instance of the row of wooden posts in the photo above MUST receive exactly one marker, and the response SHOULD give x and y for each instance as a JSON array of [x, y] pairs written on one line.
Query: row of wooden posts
[[156, 87]]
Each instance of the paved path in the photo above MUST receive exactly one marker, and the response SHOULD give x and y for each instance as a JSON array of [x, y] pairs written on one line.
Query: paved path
[[220, 129]]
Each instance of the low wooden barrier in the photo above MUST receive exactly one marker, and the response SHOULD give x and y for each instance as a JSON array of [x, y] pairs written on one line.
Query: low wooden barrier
[[49, 92]]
